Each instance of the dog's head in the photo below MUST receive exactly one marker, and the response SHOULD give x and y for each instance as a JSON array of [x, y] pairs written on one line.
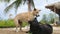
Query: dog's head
[[36, 12]]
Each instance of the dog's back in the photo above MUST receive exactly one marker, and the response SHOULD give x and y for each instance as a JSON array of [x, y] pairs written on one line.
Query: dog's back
[[50, 28], [27, 16], [36, 28]]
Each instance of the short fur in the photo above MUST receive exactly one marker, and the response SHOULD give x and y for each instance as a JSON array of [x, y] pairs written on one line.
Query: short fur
[[25, 17], [36, 28]]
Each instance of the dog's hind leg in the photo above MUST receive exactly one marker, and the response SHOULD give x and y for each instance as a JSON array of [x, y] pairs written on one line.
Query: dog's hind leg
[[20, 24]]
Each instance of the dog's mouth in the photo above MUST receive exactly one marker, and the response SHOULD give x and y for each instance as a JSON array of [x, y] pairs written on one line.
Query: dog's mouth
[[37, 15]]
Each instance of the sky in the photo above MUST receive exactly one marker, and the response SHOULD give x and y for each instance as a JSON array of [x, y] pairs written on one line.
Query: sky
[[39, 4]]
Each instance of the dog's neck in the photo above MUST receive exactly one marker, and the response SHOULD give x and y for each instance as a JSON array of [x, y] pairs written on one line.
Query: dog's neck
[[33, 13], [34, 20]]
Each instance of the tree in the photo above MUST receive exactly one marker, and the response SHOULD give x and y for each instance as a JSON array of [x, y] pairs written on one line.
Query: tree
[[48, 18], [17, 3], [44, 19], [52, 17], [0, 18]]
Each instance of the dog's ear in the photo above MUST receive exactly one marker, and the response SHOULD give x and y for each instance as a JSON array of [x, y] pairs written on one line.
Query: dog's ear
[[34, 9]]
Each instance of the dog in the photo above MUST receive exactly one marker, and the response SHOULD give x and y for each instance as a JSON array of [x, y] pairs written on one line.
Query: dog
[[36, 28], [25, 17]]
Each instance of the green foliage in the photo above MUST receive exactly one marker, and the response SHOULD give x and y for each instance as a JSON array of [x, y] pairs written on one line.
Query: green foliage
[[9, 23], [5, 0], [17, 3], [51, 16], [30, 33], [48, 18], [44, 19], [6, 23], [51, 21], [24, 24]]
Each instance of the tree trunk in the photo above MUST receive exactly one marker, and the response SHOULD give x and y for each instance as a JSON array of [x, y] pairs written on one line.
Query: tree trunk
[[55, 14], [29, 6], [59, 13], [59, 17]]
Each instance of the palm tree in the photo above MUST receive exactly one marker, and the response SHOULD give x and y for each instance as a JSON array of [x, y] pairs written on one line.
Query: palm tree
[[17, 3]]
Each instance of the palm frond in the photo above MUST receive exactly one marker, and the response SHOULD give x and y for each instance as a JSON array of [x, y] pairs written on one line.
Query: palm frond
[[29, 1], [5, 0], [17, 3], [24, 1], [9, 7]]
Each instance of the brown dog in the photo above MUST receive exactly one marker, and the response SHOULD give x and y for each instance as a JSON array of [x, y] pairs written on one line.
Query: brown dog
[[25, 17]]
